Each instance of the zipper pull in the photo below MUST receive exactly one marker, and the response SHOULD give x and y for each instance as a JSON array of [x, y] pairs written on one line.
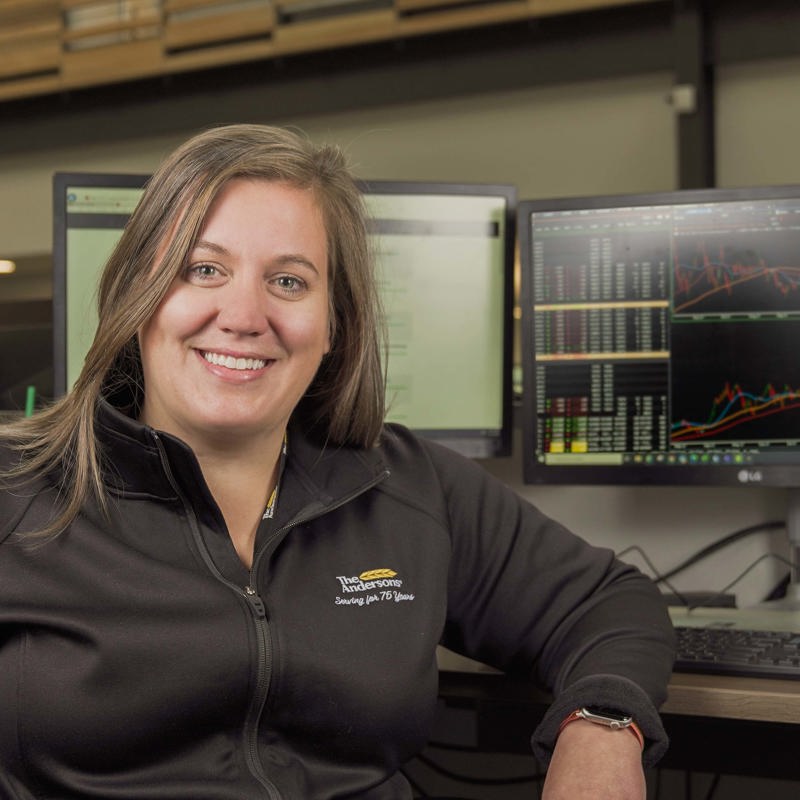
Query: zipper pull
[[255, 601]]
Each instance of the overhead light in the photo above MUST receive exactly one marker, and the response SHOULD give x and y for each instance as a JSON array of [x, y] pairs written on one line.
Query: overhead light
[[7, 266]]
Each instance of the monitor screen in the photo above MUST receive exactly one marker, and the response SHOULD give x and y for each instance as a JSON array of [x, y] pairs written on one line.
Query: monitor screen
[[89, 213], [444, 258], [659, 338]]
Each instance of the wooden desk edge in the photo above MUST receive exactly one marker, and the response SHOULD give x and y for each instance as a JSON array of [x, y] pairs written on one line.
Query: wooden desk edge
[[689, 694], [757, 699]]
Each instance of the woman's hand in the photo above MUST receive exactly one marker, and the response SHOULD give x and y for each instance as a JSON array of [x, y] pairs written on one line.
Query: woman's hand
[[592, 762]]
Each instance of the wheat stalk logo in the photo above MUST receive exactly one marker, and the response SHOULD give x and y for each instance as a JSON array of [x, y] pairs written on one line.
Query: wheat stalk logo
[[376, 574]]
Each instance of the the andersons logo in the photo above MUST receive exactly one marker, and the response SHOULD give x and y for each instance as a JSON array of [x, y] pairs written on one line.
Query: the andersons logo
[[371, 586]]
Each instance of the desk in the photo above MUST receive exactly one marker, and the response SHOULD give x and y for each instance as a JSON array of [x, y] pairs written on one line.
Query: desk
[[734, 726], [754, 699], [716, 724]]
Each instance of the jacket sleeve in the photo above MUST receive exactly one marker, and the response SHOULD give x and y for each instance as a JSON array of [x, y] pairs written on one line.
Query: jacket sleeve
[[529, 597]]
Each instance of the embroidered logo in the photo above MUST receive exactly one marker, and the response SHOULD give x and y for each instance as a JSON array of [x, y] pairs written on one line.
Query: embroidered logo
[[377, 574], [371, 586]]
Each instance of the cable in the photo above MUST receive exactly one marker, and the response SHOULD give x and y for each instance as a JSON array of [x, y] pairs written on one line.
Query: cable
[[779, 590], [719, 545], [705, 552], [637, 549], [712, 789], [741, 575]]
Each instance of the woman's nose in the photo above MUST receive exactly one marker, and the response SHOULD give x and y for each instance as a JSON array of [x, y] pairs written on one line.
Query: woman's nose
[[244, 309]]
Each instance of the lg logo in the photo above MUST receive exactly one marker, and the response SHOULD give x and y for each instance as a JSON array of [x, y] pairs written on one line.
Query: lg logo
[[749, 476]]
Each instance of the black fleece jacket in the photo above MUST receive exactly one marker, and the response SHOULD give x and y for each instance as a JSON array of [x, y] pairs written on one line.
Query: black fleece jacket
[[140, 660]]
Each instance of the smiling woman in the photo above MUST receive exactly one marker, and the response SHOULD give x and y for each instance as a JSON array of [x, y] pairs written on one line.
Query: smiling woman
[[237, 340], [222, 576]]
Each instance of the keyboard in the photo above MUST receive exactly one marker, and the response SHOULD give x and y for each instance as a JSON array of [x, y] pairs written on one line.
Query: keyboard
[[738, 651]]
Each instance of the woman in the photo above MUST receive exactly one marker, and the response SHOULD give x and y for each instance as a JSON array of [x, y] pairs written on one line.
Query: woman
[[222, 577]]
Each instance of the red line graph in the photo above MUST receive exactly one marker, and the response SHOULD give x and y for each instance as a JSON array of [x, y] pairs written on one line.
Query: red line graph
[[709, 276], [734, 406]]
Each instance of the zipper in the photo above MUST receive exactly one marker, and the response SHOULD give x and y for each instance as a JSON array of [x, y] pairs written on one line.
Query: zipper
[[259, 612], [259, 697]]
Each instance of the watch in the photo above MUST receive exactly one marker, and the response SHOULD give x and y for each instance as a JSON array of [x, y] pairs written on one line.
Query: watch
[[615, 720]]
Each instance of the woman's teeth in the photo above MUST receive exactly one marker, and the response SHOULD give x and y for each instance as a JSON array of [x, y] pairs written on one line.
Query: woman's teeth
[[234, 363]]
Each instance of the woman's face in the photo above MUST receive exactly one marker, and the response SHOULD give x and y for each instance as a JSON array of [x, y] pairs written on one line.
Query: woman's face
[[240, 334]]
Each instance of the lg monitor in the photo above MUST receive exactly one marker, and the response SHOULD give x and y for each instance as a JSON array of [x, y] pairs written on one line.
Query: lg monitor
[[444, 259], [660, 340]]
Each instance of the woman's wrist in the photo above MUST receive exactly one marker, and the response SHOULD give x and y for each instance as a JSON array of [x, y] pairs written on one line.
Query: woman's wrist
[[611, 720]]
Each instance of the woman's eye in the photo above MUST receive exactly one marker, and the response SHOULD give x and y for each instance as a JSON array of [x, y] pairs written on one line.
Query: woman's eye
[[202, 272], [289, 284]]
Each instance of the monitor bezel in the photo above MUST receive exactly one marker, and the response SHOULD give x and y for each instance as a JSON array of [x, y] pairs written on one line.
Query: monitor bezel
[[500, 445], [534, 472]]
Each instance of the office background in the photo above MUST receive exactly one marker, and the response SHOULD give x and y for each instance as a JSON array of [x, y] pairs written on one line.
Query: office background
[[575, 106]]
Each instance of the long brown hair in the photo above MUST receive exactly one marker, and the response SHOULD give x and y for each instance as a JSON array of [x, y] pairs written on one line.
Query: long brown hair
[[345, 402]]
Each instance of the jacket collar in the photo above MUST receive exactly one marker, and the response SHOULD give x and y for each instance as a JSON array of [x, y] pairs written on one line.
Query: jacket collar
[[140, 462]]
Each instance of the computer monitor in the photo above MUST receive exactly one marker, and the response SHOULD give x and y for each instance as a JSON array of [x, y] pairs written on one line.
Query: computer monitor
[[89, 213], [660, 340], [445, 269], [445, 256]]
